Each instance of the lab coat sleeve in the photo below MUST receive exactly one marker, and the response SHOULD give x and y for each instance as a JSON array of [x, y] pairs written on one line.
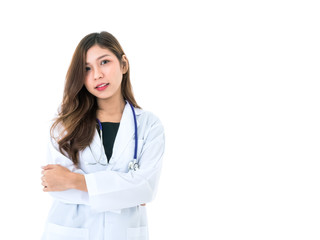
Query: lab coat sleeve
[[112, 190], [73, 196]]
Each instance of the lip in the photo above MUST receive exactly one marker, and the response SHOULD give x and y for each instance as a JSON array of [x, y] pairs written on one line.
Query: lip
[[102, 86]]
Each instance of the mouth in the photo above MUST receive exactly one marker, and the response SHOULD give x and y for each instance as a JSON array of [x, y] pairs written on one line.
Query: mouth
[[102, 85]]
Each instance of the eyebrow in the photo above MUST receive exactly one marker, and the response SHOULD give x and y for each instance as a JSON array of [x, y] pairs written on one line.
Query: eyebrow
[[105, 55]]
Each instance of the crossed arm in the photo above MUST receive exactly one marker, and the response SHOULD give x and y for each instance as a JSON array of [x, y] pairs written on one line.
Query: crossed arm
[[127, 188], [58, 178]]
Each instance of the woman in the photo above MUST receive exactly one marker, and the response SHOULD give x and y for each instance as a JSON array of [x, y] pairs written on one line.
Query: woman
[[99, 190]]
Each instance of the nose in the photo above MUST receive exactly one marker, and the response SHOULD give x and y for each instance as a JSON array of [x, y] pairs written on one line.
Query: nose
[[97, 74]]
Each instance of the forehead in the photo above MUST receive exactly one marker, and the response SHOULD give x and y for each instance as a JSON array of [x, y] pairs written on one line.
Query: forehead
[[95, 52]]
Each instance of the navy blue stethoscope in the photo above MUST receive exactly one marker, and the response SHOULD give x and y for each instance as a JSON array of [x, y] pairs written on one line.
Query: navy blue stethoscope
[[133, 165]]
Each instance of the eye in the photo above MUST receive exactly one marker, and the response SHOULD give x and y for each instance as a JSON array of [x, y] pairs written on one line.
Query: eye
[[87, 69], [104, 62]]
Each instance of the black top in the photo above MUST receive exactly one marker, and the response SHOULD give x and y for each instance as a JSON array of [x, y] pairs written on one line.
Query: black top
[[109, 133]]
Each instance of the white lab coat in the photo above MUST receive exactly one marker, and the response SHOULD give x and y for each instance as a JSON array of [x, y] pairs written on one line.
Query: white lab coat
[[111, 207]]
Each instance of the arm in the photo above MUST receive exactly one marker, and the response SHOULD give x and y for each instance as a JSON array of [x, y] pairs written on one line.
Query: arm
[[61, 177]]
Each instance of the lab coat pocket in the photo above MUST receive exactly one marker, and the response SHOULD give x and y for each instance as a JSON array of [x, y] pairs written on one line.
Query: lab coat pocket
[[140, 233], [54, 232]]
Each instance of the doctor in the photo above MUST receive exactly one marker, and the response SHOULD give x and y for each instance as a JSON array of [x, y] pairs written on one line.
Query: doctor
[[105, 152]]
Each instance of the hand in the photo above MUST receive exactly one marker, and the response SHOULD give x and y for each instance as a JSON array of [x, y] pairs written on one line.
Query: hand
[[56, 178]]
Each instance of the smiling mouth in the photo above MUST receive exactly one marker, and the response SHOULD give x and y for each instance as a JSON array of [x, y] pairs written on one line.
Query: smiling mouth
[[102, 85]]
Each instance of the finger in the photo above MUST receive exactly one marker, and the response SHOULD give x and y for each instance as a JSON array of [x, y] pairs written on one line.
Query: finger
[[44, 182], [44, 172], [49, 166]]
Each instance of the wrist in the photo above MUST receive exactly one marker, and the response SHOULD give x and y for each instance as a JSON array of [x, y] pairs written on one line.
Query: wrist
[[78, 182]]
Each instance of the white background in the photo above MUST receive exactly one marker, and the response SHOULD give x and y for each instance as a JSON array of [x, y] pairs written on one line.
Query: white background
[[235, 83]]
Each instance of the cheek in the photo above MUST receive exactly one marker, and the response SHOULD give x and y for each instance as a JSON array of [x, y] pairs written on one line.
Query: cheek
[[87, 83], [118, 76], [115, 72]]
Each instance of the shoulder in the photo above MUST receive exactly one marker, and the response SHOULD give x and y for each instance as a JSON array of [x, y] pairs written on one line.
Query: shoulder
[[150, 127], [148, 118]]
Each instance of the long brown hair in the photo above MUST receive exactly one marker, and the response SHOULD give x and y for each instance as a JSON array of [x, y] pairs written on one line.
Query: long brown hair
[[77, 114]]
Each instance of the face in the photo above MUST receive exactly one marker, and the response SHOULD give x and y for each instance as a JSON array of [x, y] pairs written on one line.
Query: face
[[104, 73]]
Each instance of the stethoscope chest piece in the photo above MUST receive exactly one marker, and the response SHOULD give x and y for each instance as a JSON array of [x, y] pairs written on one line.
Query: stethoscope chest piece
[[133, 166]]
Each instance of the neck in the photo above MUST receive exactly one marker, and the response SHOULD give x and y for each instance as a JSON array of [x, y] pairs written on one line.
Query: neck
[[110, 110]]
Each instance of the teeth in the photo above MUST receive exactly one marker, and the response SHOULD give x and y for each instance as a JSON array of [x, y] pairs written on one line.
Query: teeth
[[102, 85]]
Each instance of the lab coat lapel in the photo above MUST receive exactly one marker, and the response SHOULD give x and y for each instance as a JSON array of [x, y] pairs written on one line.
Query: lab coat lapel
[[97, 148], [125, 133]]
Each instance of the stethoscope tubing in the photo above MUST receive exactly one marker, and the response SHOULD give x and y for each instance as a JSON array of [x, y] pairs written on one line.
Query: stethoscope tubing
[[135, 133]]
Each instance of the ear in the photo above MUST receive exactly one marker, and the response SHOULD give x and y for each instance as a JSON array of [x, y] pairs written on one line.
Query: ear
[[124, 64]]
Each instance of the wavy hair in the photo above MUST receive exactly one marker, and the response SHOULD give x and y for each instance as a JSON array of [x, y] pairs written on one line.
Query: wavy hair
[[77, 113]]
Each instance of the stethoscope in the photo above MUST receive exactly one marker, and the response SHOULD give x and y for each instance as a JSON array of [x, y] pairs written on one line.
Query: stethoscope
[[133, 165]]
